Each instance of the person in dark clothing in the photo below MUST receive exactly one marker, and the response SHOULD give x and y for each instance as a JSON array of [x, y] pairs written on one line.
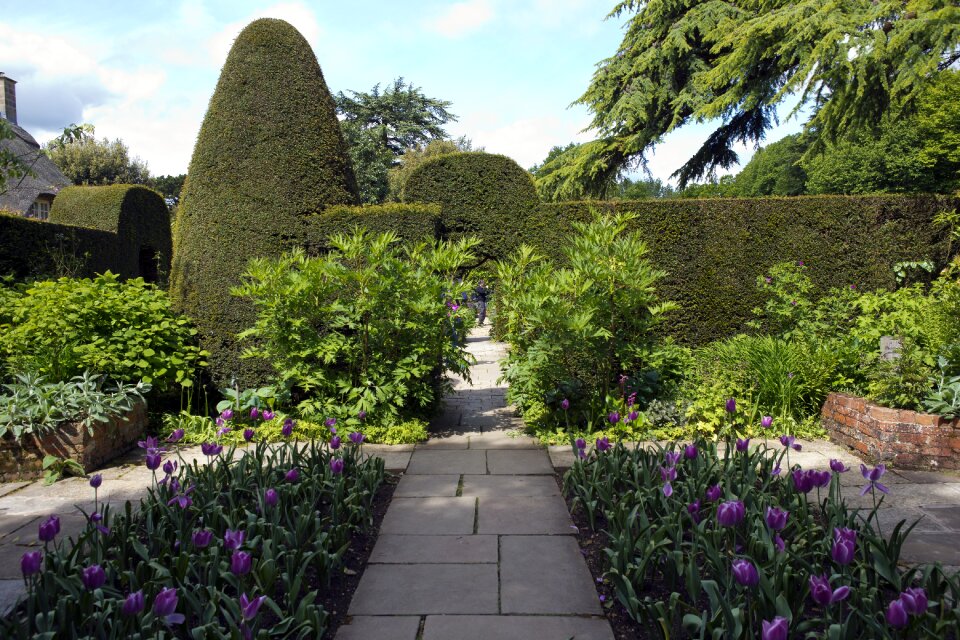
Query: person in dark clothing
[[480, 297]]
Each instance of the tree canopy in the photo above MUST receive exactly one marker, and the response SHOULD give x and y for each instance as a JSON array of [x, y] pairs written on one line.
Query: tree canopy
[[85, 160], [380, 125], [734, 62]]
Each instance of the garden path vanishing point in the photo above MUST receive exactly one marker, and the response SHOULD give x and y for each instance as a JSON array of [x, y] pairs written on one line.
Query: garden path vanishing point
[[477, 542]]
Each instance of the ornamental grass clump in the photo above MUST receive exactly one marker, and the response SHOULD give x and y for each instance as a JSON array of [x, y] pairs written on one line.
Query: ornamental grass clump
[[244, 547], [736, 549]]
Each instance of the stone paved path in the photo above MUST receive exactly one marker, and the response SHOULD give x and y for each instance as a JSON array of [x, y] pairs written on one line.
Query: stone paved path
[[477, 542]]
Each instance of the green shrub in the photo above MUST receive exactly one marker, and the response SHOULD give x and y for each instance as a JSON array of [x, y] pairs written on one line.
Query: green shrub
[[124, 330], [270, 151], [412, 223], [369, 327], [38, 249], [482, 195]]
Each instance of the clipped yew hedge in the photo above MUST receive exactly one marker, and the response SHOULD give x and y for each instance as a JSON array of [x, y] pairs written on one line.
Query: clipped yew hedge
[[35, 249], [270, 151], [481, 194], [410, 222], [714, 249]]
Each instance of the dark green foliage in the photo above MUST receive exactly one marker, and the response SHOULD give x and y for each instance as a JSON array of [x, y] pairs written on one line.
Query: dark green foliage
[[481, 194], [713, 250], [34, 249], [413, 223], [137, 215], [774, 170], [169, 186], [269, 152]]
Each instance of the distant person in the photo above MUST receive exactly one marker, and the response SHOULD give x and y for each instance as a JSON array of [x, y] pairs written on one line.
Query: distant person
[[480, 296]]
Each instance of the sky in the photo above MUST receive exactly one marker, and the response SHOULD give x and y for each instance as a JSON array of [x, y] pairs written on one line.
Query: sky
[[144, 71]]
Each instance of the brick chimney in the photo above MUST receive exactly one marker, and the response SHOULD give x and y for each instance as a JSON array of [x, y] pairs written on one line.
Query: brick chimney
[[8, 98]]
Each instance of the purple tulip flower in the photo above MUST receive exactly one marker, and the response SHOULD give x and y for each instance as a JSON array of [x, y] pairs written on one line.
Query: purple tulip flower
[[93, 577], [49, 529], [823, 594], [581, 445], [249, 608], [152, 461], [201, 538], [336, 466], [633, 415], [819, 479], [335, 442], [776, 518], [268, 415], [165, 606], [838, 466], [613, 417], [211, 449], [134, 604], [690, 451], [694, 510], [176, 436], [745, 573], [603, 444], [240, 563], [330, 423], [802, 481], [775, 629], [248, 434], [789, 442], [730, 514], [292, 476], [914, 601], [731, 405], [565, 404], [96, 481], [671, 458], [151, 445], [183, 500], [779, 543], [362, 415], [713, 493], [897, 614], [233, 540], [254, 413], [844, 546], [743, 445], [30, 563], [287, 429], [223, 430], [766, 422], [227, 414], [270, 497], [872, 476], [356, 437]]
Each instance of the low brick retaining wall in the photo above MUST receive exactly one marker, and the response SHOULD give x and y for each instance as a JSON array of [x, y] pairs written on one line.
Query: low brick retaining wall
[[899, 437], [24, 460]]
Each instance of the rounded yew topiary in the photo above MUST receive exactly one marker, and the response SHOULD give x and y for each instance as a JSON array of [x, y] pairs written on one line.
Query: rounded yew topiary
[[269, 152], [481, 194]]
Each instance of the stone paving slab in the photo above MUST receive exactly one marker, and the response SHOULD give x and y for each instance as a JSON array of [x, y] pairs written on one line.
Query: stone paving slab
[[408, 549], [545, 574], [949, 516], [923, 548], [509, 486], [10, 555], [430, 516], [524, 516], [10, 593], [380, 628], [516, 628], [503, 439], [519, 462], [9, 487], [411, 486], [398, 589], [452, 441], [447, 462], [17, 527]]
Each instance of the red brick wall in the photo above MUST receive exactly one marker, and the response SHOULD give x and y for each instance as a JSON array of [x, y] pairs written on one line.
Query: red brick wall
[[24, 460], [898, 437]]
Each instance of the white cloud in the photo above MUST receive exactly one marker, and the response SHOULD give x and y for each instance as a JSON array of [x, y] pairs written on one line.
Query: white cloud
[[462, 18], [296, 13], [526, 140]]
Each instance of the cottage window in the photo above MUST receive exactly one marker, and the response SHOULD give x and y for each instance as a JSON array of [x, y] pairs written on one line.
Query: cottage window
[[39, 210]]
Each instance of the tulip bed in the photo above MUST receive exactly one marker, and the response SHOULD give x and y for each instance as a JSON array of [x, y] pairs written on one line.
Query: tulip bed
[[241, 547], [731, 542]]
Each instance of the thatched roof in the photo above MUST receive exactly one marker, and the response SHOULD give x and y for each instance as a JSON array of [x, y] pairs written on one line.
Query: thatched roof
[[20, 193]]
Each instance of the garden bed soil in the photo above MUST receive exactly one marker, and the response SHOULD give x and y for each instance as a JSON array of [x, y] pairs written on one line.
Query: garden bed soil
[[336, 599]]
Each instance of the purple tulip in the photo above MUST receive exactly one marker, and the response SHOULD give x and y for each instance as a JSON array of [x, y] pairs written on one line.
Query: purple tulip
[[336, 466], [745, 573], [287, 429], [775, 471], [227, 414], [165, 606], [49, 529], [249, 608], [151, 445], [731, 405], [201, 538], [240, 563], [248, 434], [170, 466], [844, 546], [292, 476], [330, 423], [775, 629], [789, 442], [694, 510], [362, 415], [802, 481], [254, 413], [565, 404], [613, 417], [713, 493], [268, 415], [690, 451], [30, 563], [581, 447], [776, 518], [356, 437], [134, 604], [838, 466], [335, 442], [872, 476], [823, 594], [668, 474], [603, 444], [96, 481], [730, 514], [743, 445], [176, 436], [779, 543], [93, 577], [897, 614], [671, 458], [223, 430], [914, 601], [819, 479], [152, 461], [766, 422], [211, 449], [233, 540], [633, 415], [270, 497]]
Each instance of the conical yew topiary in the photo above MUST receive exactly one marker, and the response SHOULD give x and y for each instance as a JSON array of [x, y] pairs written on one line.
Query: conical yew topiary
[[269, 152]]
